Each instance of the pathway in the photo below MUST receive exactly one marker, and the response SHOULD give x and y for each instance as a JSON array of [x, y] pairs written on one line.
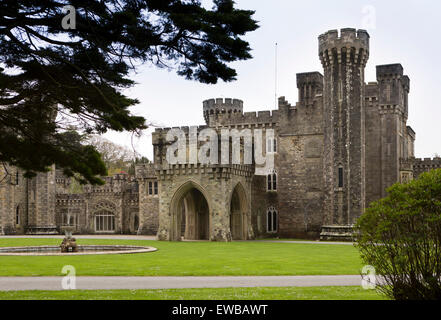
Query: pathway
[[132, 283]]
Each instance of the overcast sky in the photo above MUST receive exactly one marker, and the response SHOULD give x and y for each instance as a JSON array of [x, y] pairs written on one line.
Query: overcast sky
[[405, 31]]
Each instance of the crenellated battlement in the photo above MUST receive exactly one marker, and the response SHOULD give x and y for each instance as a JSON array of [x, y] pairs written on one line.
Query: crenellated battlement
[[145, 171], [309, 78], [167, 172], [186, 129], [351, 46], [389, 71], [246, 119], [221, 105], [420, 165], [428, 162]]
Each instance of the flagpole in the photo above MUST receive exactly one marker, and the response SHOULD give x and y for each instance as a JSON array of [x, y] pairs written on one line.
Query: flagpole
[[275, 77]]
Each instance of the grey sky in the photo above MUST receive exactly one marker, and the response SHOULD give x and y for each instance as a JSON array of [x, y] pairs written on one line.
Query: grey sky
[[406, 32]]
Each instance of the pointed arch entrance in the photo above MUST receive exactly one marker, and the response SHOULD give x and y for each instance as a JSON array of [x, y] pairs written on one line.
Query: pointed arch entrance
[[239, 213], [190, 213]]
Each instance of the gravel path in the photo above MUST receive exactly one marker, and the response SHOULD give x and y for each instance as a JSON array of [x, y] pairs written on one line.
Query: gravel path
[[132, 283]]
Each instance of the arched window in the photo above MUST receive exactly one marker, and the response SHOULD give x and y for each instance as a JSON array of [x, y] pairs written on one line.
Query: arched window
[[272, 220], [104, 221], [271, 181], [17, 215]]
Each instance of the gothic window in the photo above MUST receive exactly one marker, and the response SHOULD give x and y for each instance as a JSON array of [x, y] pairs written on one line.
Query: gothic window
[[271, 220], [271, 181], [104, 222], [340, 177], [17, 215]]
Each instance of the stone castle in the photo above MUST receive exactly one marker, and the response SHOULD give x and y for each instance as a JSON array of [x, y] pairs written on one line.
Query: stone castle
[[335, 151]]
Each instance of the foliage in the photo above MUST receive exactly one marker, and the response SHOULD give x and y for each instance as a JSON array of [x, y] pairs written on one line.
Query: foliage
[[400, 236], [117, 158], [52, 77], [138, 160]]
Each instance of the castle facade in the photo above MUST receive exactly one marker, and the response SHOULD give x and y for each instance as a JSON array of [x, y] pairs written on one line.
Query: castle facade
[[335, 151]]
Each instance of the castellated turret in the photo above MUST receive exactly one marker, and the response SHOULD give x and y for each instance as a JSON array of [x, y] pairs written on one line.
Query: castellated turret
[[351, 46], [344, 58], [219, 105], [393, 87], [309, 84]]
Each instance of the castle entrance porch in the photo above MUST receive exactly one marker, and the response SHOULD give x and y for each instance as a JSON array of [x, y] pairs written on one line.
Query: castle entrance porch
[[190, 214]]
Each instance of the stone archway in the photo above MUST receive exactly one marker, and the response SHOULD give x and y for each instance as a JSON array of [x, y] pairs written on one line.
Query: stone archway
[[190, 213], [239, 213]]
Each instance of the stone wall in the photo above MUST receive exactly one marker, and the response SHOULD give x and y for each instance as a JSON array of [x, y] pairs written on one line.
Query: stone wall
[[148, 204], [13, 200]]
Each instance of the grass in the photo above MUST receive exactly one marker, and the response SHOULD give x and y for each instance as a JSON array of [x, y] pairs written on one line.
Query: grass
[[189, 259], [261, 293]]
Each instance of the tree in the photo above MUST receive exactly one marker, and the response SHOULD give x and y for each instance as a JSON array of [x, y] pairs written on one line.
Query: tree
[[138, 160], [52, 77], [117, 158], [400, 236]]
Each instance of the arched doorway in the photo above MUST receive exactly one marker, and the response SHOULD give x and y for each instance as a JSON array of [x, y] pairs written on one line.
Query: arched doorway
[[190, 214], [238, 214]]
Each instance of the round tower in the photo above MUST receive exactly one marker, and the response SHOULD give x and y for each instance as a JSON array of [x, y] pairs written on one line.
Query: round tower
[[219, 106], [344, 58]]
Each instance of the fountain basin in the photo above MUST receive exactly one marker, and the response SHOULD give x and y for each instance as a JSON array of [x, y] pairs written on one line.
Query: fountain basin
[[82, 250]]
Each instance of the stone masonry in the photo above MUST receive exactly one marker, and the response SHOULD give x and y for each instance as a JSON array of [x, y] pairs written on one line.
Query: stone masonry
[[336, 150]]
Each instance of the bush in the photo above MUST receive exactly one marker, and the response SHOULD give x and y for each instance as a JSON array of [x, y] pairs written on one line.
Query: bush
[[400, 236]]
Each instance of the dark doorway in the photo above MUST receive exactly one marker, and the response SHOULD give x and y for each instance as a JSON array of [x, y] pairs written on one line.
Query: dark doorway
[[194, 216]]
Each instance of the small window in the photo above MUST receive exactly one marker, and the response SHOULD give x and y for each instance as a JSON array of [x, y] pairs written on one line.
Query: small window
[[340, 177], [150, 187], [271, 220], [155, 187], [271, 182], [17, 215]]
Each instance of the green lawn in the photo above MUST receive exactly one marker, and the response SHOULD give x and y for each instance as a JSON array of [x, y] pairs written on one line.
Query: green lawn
[[189, 258], [263, 293]]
